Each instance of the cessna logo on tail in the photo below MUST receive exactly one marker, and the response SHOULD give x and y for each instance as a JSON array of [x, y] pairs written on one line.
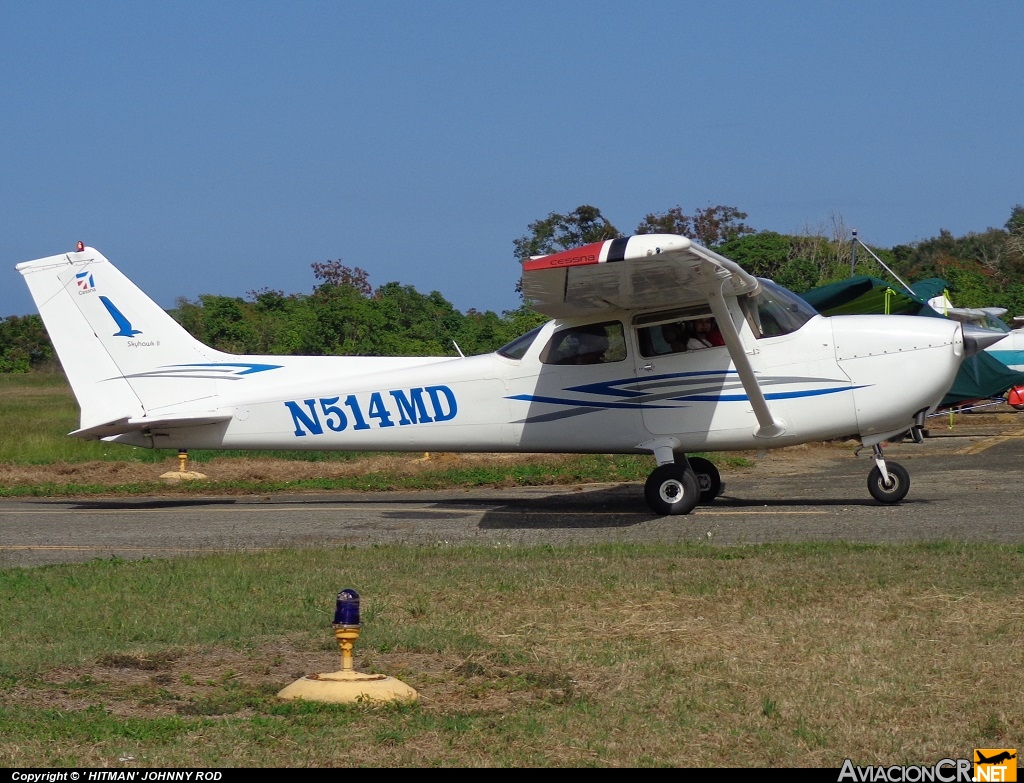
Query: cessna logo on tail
[[85, 282], [419, 405]]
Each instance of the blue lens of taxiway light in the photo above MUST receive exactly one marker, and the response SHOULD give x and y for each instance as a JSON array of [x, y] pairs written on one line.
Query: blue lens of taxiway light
[[347, 610]]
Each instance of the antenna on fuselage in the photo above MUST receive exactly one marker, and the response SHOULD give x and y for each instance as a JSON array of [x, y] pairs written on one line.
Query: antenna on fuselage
[[458, 349]]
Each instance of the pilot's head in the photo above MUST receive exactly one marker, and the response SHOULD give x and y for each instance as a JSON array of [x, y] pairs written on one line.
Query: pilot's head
[[674, 335]]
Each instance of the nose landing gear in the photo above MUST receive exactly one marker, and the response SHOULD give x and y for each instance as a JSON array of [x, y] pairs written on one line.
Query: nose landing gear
[[887, 482]]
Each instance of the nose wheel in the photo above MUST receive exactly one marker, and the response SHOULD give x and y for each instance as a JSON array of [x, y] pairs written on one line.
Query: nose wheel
[[888, 482]]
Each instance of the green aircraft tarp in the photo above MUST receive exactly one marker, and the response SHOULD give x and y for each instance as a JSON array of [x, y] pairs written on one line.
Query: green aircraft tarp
[[864, 294], [981, 376]]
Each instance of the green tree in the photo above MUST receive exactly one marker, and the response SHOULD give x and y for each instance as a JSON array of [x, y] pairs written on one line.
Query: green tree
[[336, 273], [763, 254], [1012, 262], [798, 274], [674, 221], [281, 323], [344, 322], [1015, 223], [711, 226], [520, 321], [556, 232], [413, 324], [715, 225], [24, 343]]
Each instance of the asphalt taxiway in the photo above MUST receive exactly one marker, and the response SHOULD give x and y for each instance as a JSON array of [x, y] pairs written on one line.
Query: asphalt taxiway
[[965, 486]]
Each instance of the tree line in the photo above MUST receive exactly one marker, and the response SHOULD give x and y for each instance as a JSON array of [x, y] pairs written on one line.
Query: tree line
[[346, 315]]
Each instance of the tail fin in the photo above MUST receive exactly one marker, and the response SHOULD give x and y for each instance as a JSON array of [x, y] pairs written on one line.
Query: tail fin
[[126, 358]]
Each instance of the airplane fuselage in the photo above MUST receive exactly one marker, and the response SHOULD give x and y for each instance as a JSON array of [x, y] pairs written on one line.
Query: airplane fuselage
[[833, 377]]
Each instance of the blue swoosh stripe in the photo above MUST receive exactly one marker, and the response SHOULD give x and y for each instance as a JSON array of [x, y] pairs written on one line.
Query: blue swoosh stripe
[[587, 403], [682, 398], [768, 396], [251, 368], [611, 387]]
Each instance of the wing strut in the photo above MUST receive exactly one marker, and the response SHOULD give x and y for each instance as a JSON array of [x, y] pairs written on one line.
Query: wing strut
[[770, 426]]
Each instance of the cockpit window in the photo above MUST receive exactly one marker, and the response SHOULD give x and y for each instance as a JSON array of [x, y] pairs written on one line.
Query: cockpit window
[[993, 324], [589, 344], [518, 347], [779, 311]]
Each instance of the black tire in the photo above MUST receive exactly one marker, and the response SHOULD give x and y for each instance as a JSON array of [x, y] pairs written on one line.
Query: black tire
[[896, 491], [670, 490], [709, 480]]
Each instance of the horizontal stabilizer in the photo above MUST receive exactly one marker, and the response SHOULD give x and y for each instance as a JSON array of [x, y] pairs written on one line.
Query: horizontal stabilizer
[[144, 424]]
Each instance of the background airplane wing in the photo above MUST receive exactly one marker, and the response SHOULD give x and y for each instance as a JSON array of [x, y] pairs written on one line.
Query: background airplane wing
[[643, 271]]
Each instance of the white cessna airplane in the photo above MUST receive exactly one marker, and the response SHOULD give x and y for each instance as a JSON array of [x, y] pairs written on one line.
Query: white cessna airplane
[[614, 372]]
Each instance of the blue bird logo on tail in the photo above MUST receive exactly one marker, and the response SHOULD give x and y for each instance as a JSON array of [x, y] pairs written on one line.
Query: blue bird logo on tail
[[124, 326]]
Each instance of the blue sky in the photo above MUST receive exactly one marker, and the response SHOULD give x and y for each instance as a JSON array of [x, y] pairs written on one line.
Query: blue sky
[[222, 147]]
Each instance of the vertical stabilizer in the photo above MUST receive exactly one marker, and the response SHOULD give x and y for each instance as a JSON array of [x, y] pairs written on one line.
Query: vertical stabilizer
[[124, 356]]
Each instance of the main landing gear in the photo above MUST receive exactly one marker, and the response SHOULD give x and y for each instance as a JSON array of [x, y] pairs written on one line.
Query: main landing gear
[[678, 487]]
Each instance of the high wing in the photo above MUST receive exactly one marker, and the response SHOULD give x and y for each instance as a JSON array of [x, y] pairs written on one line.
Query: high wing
[[643, 271]]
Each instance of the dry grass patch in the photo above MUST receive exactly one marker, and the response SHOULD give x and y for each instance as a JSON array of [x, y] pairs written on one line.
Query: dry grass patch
[[258, 469], [613, 656]]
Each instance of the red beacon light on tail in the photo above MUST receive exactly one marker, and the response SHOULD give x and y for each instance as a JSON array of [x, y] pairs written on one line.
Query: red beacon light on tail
[[80, 246]]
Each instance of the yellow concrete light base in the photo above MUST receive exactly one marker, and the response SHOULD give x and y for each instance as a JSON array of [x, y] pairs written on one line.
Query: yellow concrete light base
[[174, 476], [349, 687]]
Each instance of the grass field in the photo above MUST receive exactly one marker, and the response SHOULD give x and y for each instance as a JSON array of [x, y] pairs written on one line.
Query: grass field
[[798, 655], [688, 655]]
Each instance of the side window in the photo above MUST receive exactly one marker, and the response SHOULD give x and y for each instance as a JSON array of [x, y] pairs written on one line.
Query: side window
[[663, 339], [679, 336], [590, 344]]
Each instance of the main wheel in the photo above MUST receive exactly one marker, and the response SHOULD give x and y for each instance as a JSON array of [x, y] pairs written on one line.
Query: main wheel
[[896, 490], [671, 490], [709, 480]]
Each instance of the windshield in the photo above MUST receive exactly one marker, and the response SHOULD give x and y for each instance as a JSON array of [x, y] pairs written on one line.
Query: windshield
[[780, 311], [518, 347], [994, 324]]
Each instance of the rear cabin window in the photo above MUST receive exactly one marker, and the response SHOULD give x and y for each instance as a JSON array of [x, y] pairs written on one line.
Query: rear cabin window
[[589, 344]]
